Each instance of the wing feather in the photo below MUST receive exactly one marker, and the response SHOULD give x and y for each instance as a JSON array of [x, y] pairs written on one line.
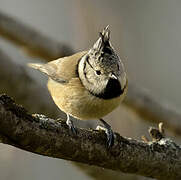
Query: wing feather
[[61, 70]]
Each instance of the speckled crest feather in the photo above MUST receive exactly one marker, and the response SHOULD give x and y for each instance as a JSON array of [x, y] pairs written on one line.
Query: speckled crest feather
[[102, 52]]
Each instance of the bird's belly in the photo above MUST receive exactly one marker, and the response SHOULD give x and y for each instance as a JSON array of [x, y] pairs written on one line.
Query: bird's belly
[[75, 100]]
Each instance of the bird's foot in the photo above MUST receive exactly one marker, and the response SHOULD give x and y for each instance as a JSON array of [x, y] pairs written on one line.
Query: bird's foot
[[71, 125], [108, 131]]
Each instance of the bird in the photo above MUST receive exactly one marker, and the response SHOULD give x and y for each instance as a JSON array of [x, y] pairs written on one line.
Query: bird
[[89, 84]]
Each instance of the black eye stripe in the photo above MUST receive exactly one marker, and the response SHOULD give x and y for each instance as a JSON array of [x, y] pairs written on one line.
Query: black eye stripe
[[84, 70], [87, 60]]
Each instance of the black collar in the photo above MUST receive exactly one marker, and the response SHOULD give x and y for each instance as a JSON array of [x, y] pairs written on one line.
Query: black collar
[[112, 90]]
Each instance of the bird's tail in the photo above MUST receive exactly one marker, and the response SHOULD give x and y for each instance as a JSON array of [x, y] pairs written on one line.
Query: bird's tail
[[39, 67]]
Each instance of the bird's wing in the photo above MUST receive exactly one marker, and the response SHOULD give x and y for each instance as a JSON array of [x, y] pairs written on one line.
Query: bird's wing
[[62, 69]]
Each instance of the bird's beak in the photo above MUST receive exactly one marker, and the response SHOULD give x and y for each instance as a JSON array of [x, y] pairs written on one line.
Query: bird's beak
[[122, 79], [113, 76]]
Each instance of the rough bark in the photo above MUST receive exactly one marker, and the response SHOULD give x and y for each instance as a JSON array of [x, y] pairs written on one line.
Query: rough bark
[[42, 135]]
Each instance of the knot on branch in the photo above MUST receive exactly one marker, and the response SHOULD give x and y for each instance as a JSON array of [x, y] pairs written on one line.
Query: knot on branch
[[156, 134]]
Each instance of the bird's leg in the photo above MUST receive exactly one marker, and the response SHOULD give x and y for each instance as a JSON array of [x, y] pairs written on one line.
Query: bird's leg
[[71, 125], [108, 131]]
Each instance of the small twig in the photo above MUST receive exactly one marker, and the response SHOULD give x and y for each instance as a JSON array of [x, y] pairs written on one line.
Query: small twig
[[151, 109], [144, 139], [161, 129], [156, 134]]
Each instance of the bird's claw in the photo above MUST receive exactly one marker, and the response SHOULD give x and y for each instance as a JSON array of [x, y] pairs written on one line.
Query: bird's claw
[[109, 133], [73, 129], [71, 125], [110, 138]]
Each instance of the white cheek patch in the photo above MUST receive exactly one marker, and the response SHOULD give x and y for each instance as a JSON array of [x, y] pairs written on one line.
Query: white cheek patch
[[81, 64]]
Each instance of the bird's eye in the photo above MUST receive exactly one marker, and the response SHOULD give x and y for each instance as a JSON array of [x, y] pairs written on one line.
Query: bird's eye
[[98, 72]]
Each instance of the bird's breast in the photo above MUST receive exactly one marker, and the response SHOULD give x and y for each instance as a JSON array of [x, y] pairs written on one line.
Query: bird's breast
[[74, 99]]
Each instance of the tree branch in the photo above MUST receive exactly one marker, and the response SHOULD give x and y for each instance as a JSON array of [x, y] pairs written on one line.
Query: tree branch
[[34, 42], [153, 110], [18, 83], [42, 135]]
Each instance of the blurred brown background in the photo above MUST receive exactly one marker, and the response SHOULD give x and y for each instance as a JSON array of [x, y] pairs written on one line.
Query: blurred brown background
[[146, 35]]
